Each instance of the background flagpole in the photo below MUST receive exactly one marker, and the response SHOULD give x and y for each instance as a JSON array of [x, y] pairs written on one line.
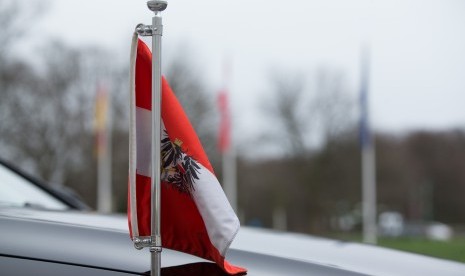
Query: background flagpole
[[229, 177], [103, 149], [368, 157], [225, 141]]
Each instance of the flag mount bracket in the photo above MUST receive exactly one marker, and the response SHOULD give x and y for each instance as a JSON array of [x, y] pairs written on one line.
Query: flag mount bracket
[[148, 30], [148, 241]]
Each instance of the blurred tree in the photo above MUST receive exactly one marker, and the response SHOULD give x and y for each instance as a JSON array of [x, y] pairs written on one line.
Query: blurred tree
[[313, 178], [47, 116], [12, 18], [397, 176], [60, 110], [439, 190], [14, 73], [305, 116], [421, 175], [290, 113], [334, 180], [333, 107]]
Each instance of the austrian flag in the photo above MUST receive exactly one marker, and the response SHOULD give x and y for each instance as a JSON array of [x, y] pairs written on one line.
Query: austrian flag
[[196, 217]]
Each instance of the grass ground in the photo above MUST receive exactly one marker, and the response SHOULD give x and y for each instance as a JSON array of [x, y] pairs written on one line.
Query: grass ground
[[451, 250]]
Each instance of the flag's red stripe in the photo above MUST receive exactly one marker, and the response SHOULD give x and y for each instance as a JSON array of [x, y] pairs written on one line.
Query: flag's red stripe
[[179, 127], [180, 219], [143, 191], [143, 76]]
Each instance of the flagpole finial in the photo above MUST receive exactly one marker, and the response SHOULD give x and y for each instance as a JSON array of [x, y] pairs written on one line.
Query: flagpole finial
[[157, 5]]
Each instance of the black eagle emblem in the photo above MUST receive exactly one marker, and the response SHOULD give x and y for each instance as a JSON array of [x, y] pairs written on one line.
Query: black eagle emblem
[[178, 168]]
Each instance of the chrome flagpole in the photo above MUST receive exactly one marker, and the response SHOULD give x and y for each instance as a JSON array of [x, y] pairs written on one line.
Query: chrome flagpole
[[156, 31]]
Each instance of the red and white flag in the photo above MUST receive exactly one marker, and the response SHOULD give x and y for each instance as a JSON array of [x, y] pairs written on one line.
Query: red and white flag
[[196, 217]]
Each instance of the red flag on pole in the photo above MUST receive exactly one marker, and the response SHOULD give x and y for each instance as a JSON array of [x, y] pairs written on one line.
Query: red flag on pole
[[196, 216]]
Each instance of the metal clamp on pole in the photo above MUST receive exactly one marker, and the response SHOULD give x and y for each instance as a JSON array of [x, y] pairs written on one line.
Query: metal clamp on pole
[[141, 242], [155, 247], [144, 30]]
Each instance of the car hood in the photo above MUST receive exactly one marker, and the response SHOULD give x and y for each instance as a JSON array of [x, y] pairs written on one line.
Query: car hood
[[102, 241], [77, 238], [363, 258]]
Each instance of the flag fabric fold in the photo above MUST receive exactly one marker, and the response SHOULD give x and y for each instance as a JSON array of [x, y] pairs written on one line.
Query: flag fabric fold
[[196, 217]]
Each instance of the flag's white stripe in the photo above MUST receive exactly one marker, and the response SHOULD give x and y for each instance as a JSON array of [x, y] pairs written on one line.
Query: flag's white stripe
[[144, 141], [132, 138], [144, 145], [220, 220]]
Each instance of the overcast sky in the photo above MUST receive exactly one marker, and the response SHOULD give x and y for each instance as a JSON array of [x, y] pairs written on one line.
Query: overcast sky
[[417, 60]]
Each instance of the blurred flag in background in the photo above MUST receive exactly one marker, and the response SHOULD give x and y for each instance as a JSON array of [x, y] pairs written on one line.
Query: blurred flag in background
[[224, 135]]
